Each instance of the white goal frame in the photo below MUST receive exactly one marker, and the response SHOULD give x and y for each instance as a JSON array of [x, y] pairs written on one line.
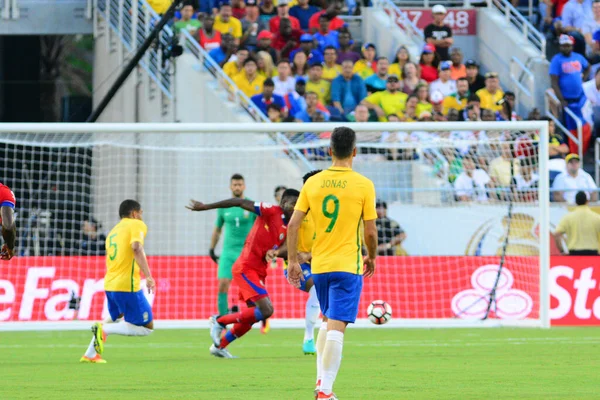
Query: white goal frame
[[120, 128]]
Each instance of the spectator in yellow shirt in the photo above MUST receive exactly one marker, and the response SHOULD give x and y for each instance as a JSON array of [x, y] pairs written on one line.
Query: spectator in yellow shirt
[[402, 58], [491, 93], [232, 68], [582, 228], [226, 23], [422, 92], [249, 81], [365, 67], [331, 69], [317, 84], [458, 100], [390, 101]]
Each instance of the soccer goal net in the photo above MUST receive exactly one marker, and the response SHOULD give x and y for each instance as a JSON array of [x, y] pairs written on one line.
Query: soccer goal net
[[463, 215]]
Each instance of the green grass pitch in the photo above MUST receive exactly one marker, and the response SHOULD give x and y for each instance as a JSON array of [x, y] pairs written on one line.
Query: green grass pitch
[[560, 363]]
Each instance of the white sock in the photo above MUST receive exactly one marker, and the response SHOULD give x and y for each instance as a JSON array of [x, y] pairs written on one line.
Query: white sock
[[312, 313], [91, 352], [126, 329], [321, 340], [332, 358]]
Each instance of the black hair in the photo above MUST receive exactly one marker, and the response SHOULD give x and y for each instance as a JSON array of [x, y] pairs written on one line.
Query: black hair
[[241, 48], [580, 198], [269, 82], [249, 60], [330, 47], [462, 78], [396, 59], [274, 106], [343, 142], [290, 193], [283, 60], [474, 97], [188, 3], [309, 174], [278, 188], [381, 203], [127, 207], [237, 177]]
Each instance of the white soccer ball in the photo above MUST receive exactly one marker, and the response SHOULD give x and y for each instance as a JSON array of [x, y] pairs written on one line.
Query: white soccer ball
[[379, 312]]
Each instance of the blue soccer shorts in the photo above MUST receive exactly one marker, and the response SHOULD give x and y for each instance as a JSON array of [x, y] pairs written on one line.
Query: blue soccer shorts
[[133, 305], [339, 294], [307, 275]]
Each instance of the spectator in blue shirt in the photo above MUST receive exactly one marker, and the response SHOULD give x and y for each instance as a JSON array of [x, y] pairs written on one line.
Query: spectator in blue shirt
[[378, 81], [573, 18], [326, 37], [267, 97], [307, 115], [567, 70], [307, 47], [303, 11], [221, 54], [347, 89]]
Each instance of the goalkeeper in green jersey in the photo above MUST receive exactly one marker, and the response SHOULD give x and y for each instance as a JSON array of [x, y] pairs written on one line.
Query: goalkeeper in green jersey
[[237, 223]]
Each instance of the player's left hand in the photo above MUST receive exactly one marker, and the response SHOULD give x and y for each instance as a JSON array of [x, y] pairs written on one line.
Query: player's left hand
[[196, 206], [6, 253], [295, 276], [271, 255], [369, 266]]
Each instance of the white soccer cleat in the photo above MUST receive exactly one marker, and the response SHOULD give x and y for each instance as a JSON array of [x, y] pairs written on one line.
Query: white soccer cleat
[[216, 330], [220, 353]]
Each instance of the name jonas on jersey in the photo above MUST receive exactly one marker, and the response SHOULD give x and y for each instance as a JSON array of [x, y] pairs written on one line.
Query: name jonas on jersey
[[334, 183]]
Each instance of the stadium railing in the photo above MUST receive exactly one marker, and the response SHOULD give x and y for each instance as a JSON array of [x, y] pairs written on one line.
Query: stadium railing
[[555, 111], [514, 16], [523, 80], [401, 19]]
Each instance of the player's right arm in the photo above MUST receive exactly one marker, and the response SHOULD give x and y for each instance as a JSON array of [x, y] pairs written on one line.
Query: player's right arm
[[215, 237], [9, 232], [234, 202], [369, 216], [140, 257]]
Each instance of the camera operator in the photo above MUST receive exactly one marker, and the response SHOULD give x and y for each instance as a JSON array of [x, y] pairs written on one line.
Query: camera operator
[[472, 111]]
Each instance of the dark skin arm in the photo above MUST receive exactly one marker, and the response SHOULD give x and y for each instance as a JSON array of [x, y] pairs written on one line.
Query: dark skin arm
[[9, 233], [234, 202], [557, 92]]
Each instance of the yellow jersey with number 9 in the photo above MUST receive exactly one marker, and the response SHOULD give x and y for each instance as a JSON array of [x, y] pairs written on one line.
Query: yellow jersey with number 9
[[122, 271], [338, 200]]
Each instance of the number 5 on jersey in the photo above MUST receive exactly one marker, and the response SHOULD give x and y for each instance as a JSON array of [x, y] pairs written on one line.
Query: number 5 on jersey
[[112, 245]]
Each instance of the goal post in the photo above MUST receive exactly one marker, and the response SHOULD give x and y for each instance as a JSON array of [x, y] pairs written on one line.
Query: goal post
[[461, 242]]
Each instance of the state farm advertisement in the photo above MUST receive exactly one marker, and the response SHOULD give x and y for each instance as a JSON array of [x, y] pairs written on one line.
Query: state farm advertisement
[[40, 288]]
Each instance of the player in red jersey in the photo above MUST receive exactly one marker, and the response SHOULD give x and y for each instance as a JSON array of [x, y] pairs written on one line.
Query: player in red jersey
[[250, 270], [9, 229]]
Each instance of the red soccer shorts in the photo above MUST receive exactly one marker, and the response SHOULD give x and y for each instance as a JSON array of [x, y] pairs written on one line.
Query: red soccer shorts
[[251, 285]]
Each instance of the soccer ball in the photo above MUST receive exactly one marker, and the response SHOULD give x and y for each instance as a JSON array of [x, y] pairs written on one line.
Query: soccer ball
[[379, 312]]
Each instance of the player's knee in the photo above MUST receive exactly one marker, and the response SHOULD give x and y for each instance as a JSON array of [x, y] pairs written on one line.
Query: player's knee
[[266, 310], [150, 325], [224, 285]]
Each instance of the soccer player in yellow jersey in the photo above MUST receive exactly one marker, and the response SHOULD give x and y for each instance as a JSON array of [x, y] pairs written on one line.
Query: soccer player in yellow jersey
[[338, 199], [130, 312]]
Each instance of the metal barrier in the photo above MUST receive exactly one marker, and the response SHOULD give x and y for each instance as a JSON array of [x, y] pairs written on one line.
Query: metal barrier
[[519, 73], [553, 107], [132, 21], [514, 17], [401, 19]]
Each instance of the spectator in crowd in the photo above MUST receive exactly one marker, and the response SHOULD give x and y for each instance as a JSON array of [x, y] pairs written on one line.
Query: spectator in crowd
[[287, 39], [491, 94], [366, 66], [294, 101], [307, 44], [500, 167], [437, 102], [278, 193], [300, 65], [567, 70], [410, 111], [574, 16], [221, 54], [444, 84], [410, 78], [458, 69], [187, 21], [389, 101], [452, 114], [487, 115], [331, 69], [249, 81], [591, 90], [209, 38], [303, 11], [582, 229], [389, 233], [274, 112], [429, 63], [267, 11], [251, 25], [361, 114], [308, 115], [458, 100], [283, 11], [159, 6], [525, 183], [348, 89], [402, 58], [284, 82], [326, 37], [225, 22], [472, 183], [234, 67], [317, 84], [345, 51], [591, 25], [472, 112], [92, 243], [265, 64], [268, 97], [331, 12], [263, 43], [557, 146], [567, 183], [422, 93], [439, 34], [475, 79], [377, 81], [507, 111]]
